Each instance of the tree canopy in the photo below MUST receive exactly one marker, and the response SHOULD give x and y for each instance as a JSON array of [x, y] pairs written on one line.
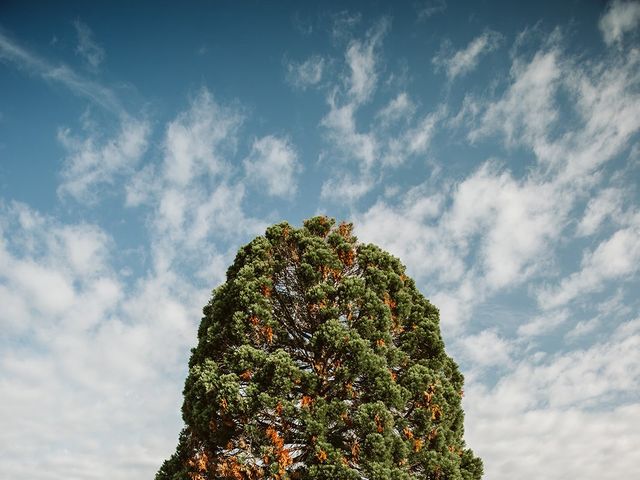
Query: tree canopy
[[318, 358]]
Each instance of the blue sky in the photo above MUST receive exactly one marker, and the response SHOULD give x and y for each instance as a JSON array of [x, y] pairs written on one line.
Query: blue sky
[[492, 146]]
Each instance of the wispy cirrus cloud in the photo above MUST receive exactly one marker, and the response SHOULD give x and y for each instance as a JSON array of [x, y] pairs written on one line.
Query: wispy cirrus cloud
[[11, 51], [376, 144], [464, 61], [429, 8], [87, 47], [306, 74]]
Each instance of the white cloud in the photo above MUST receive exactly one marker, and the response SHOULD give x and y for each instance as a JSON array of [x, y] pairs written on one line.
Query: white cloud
[[622, 16], [306, 74], [583, 328], [93, 162], [379, 145], [11, 51], [273, 163], [191, 194], [87, 46], [607, 203], [197, 139], [409, 234], [346, 188], [108, 356], [605, 104], [528, 109], [361, 59], [614, 258], [341, 127], [465, 60], [401, 107], [543, 324], [548, 411], [518, 220], [485, 349]]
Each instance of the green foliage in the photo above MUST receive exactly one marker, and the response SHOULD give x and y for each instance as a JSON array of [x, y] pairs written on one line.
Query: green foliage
[[319, 359]]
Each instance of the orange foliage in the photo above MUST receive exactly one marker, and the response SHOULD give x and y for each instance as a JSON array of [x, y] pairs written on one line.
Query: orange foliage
[[389, 302], [344, 229], [355, 450], [428, 394], [267, 333], [321, 456], [347, 257], [350, 390], [282, 454], [417, 444], [379, 425], [198, 466], [436, 412], [232, 468]]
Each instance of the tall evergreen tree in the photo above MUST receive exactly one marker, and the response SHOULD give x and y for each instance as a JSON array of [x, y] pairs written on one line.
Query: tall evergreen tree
[[320, 359]]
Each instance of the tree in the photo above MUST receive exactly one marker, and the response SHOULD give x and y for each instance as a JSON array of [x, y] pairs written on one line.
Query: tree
[[320, 359]]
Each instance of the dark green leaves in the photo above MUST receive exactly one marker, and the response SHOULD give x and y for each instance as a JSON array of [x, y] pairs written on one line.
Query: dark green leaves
[[318, 358]]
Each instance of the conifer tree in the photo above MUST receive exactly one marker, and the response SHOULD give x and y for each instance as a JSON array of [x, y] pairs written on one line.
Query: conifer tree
[[320, 359]]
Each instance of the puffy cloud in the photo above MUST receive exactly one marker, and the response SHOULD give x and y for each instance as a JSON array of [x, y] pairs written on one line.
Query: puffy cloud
[[467, 59], [93, 161], [543, 415], [191, 192], [485, 349], [197, 139], [108, 355], [621, 17], [346, 188], [273, 162], [527, 109]]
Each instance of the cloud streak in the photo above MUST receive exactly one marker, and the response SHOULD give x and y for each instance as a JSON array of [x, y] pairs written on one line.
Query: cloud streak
[[12, 52], [464, 61]]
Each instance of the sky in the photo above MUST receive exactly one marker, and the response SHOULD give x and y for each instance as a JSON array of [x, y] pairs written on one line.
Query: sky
[[493, 146]]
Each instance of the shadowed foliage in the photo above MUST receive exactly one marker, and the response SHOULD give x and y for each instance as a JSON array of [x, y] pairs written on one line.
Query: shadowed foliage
[[320, 359]]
